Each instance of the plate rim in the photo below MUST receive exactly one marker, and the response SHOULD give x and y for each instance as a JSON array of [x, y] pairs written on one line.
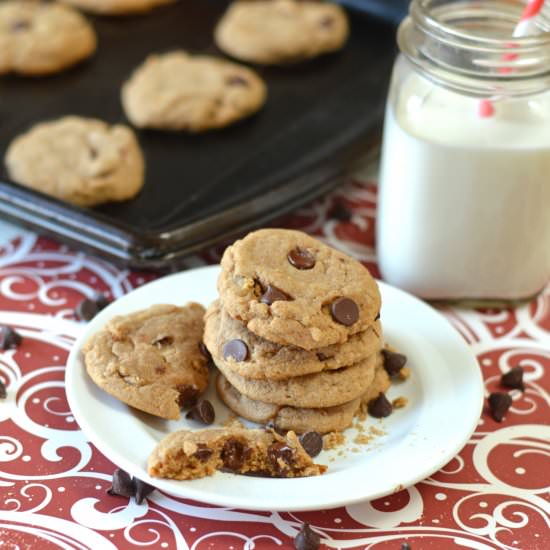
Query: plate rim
[[238, 501]]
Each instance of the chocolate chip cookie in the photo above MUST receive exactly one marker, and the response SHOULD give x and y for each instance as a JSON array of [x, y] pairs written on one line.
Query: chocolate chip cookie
[[265, 359], [291, 289], [83, 161], [38, 38], [190, 455], [179, 91], [281, 31], [151, 359], [300, 420], [322, 389]]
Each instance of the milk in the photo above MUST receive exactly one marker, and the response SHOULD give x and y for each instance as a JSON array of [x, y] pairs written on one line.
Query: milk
[[464, 201]]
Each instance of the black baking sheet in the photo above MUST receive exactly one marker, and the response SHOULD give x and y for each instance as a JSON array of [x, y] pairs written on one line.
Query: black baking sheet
[[319, 117]]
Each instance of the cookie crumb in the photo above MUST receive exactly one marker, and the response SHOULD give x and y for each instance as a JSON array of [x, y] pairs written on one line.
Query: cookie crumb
[[333, 440], [400, 402], [363, 439], [404, 373], [376, 431]]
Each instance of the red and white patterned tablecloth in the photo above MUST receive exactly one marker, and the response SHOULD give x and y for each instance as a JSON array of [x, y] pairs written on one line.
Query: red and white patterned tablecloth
[[494, 494]]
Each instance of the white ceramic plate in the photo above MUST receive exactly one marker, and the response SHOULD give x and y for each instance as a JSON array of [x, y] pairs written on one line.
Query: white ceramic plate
[[445, 394]]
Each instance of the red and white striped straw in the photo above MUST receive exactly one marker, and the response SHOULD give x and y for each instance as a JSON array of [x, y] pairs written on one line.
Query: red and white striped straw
[[525, 27]]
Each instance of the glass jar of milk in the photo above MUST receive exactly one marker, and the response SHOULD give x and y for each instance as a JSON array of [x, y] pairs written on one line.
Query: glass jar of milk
[[464, 198]]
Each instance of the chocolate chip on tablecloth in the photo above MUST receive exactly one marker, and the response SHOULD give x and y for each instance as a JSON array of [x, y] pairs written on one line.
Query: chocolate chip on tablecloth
[[393, 361], [235, 349], [499, 403], [3, 392], [9, 338], [301, 259], [307, 539], [88, 308], [122, 484], [380, 407], [312, 442], [273, 294], [203, 412], [344, 311], [142, 490], [513, 379]]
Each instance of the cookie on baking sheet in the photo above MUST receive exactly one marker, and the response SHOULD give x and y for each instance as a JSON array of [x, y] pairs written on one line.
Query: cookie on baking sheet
[[190, 455], [268, 360], [179, 91], [281, 31], [151, 359], [292, 289], [38, 38], [83, 161], [297, 419], [322, 389], [117, 7]]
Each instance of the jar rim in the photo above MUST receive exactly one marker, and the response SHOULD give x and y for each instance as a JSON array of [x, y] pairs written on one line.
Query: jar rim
[[421, 13], [444, 39]]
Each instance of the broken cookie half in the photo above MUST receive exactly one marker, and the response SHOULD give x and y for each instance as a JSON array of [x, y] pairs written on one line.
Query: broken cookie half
[[194, 454]]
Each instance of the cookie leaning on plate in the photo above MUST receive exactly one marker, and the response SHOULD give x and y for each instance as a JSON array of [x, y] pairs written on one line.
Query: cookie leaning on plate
[[281, 31], [151, 359], [117, 7], [38, 38], [292, 289], [179, 91], [83, 161]]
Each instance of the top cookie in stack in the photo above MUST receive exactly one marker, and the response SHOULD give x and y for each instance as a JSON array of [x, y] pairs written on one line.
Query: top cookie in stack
[[295, 332]]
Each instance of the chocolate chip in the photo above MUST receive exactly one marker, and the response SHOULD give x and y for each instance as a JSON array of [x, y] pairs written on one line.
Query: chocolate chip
[[203, 412], [499, 403], [301, 259], [188, 396], [90, 307], [235, 349], [9, 339], [142, 490], [274, 294], [513, 379], [380, 407], [340, 212], [312, 442], [122, 484], [393, 362], [307, 539], [3, 392], [233, 455], [344, 311], [237, 80], [203, 453], [280, 456], [20, 25], [204, 351]]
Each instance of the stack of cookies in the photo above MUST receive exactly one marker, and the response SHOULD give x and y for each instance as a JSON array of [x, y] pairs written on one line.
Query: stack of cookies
[[295, 333]]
